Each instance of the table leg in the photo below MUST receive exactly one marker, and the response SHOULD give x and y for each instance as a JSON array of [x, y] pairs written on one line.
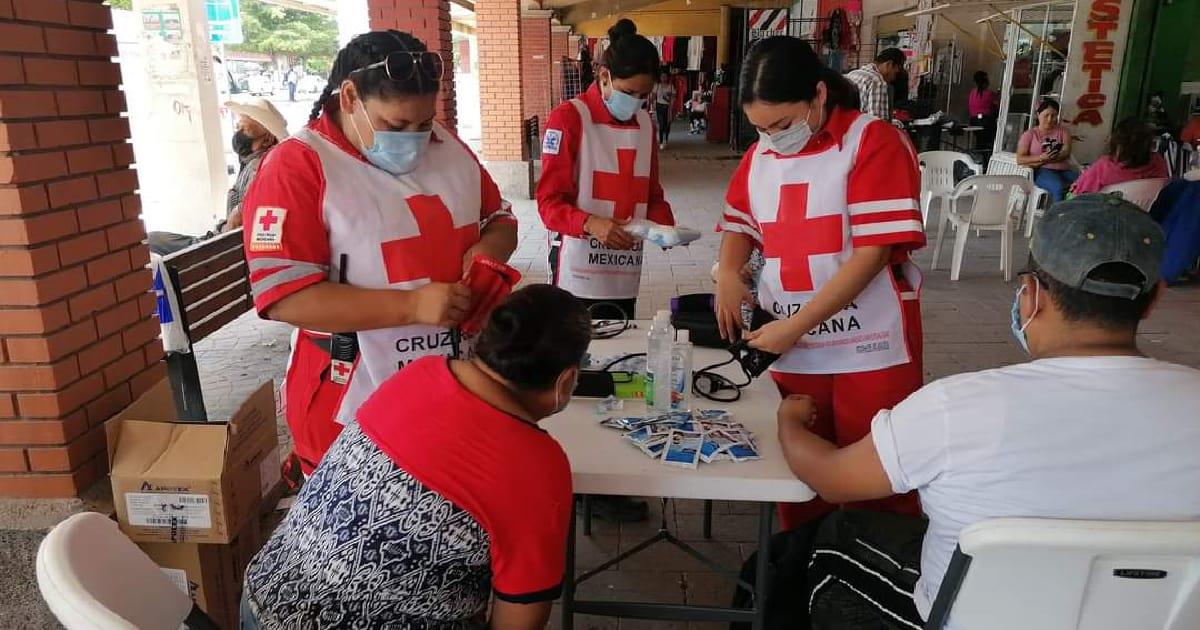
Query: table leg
[[761, 588], [708, 509], [587, 515], [568, 589]]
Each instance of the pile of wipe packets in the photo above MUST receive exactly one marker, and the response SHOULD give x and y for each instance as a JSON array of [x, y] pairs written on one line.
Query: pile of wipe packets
[[684, 438]]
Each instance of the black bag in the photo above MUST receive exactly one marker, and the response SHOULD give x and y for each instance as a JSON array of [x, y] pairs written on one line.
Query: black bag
[[787, 573], [863, 570]]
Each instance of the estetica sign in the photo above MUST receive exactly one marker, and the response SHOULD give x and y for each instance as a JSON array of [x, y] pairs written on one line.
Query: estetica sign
[[1094, 72]]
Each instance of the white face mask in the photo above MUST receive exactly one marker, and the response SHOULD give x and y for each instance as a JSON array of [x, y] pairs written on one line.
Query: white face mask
[[559, 403], [790, 141]]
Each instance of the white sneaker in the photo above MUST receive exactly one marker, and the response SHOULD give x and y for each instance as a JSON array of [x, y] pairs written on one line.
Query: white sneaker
[[662, 146]]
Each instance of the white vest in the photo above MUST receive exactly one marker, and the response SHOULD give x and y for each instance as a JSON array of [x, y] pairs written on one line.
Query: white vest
[[368, 212], [613, 169], [805, 250]]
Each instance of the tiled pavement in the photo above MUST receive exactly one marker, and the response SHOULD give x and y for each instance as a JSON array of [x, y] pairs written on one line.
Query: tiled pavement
[[966, 328]]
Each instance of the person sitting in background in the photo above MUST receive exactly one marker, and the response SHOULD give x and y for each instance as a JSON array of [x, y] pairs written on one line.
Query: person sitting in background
[[697, 112], [444, 492], [260, 127], [1190, 134], [1090, 429], [873, 79], [1130, 155], [1047, 149]]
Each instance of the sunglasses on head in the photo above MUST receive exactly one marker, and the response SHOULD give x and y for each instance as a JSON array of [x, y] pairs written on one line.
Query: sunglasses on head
[[404, 65]]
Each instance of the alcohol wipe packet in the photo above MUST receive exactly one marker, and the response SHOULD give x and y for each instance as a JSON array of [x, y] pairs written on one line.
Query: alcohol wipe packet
[[683, 449]]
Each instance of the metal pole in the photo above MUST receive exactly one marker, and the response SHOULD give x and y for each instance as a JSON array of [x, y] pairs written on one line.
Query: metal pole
[[765, 512], [568, 591]]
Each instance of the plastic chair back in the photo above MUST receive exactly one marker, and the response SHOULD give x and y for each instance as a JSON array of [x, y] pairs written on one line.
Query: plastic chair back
[[1006, 164], [937, 170], [995, 198], [1140, 192], [92, 576], [1047, 574]]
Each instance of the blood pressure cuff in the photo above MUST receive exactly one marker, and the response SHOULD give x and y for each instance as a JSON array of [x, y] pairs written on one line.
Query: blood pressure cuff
[[696, 314], [490, 282]]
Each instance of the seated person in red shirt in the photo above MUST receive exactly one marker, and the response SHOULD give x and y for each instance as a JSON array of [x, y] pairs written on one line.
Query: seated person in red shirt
[[1130, 155], [444, 492]]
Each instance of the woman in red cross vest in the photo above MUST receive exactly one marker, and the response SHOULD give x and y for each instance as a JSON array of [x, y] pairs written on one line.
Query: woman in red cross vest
[[362, 225], [829, 196], [599, 170]]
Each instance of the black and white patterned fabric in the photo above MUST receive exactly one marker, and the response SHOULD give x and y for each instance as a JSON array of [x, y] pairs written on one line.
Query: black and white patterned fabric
[[368, 546]]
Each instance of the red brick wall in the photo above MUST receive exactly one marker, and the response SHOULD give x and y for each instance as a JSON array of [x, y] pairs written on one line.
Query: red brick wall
[[429, 21], [497, 30], [536, 66], [78, 338]]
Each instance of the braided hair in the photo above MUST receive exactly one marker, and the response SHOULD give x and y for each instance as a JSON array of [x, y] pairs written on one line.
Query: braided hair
[[364, 50]]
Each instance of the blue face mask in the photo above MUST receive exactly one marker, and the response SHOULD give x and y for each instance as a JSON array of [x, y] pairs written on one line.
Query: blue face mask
[[397, 152], [622, 106], [1018, 329]]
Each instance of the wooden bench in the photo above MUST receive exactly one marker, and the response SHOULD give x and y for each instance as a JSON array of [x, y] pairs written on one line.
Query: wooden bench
[[212, 288]]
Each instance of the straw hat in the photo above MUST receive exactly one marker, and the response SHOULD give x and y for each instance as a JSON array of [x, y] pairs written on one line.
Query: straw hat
[[263, 112]]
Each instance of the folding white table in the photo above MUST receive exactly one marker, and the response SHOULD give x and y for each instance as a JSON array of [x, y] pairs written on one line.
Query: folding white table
[[602, 462]]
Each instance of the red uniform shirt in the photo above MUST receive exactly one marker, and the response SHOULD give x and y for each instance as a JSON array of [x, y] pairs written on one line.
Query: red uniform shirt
[[510, 475], [291, 178], [559, 186], [885, 169]]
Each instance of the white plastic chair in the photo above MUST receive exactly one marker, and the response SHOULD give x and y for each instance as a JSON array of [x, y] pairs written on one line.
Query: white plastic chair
[[1046, 574], [985, 202], [92, 576], [1140, 192], [937, 177], [1006, 164]]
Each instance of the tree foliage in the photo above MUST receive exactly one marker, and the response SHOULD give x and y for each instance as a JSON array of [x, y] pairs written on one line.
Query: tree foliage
[[278, 31]]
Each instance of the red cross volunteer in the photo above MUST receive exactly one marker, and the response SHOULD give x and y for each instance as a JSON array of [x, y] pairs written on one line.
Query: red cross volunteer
[[829, 195], [599, 171], [362, 225]]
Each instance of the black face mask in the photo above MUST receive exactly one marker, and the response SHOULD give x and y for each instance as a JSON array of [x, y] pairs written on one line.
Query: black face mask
[[243, 145]]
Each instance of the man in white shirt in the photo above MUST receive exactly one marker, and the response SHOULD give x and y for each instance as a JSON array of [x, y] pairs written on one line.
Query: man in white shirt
[[1091, 428]]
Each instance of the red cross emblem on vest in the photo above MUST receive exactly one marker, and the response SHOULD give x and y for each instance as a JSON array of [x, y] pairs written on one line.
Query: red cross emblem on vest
[[623, 188], [794, 237], [436, 252]]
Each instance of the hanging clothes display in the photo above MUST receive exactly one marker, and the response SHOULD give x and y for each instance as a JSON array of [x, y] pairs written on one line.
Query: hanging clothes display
[[668, 49], [681, 52], [695, 52], [681, 94], [708, 60]]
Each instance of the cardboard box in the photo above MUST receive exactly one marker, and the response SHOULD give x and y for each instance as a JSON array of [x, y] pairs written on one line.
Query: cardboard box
[[191, 482], [211, 575]]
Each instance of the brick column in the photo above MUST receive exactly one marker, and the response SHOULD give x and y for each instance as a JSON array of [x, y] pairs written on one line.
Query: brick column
[[429, 21], [78, 338], [536, 64], [498, 28]]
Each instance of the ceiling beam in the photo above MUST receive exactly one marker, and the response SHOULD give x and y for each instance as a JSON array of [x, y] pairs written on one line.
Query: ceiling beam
[[584, 11]]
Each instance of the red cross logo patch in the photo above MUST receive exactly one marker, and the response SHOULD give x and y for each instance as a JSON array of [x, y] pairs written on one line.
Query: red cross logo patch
[[266, 233], [339, 371], [623, 188], [436, 252], [794, 237]]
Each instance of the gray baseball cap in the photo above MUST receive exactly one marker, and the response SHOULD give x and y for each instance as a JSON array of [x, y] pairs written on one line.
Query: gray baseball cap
[[1077, 236]]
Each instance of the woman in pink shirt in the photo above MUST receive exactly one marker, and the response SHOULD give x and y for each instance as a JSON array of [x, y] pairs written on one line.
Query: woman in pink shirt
[[1130, 155], [1047, 148], [983, 106]]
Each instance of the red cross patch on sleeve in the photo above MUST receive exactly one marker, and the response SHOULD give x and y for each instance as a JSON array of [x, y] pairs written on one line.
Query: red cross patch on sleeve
[[266, 233]]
